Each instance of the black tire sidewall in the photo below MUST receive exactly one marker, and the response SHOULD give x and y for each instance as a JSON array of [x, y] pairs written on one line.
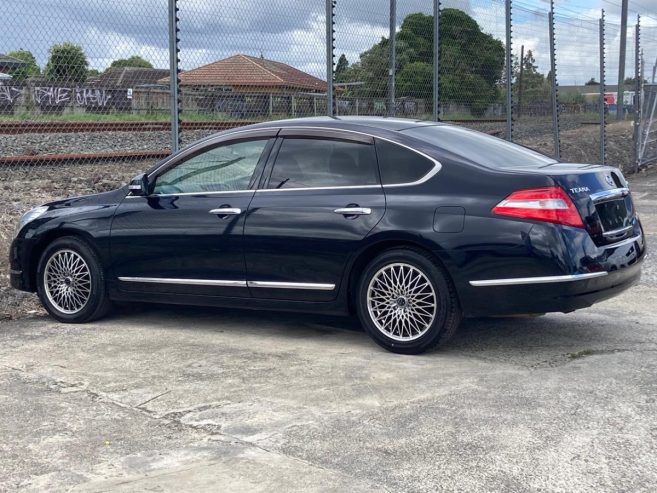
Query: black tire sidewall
[[98, 299], [440, 286]]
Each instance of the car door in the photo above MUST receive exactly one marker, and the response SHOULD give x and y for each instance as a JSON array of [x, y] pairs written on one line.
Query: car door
[[321, 199], [185, 236]]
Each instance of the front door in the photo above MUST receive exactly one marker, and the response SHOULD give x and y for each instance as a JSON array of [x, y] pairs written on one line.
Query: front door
[[186, 235], [322, 199]]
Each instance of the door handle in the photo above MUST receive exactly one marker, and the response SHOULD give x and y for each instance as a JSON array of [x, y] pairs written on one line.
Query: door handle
[[226, 211], [353, 211]]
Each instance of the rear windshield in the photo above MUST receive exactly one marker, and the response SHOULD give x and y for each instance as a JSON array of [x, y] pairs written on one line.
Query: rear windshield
[[479, 147]]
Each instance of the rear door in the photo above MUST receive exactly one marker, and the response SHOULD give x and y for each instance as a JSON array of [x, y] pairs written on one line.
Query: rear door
[[320, 199]]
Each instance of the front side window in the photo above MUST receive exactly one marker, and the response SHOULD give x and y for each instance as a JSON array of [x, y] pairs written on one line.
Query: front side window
[[226, 168], [312, 163]]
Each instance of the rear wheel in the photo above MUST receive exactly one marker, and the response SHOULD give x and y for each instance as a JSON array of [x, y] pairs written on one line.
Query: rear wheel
[[406, 302], [71, 282]]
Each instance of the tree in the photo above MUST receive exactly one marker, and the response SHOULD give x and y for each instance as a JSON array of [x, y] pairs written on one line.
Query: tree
[[30, 70], [67, 63], [592, 82], [133, 61], [535, 85], [92, 72], [471, 67], [341, 68]]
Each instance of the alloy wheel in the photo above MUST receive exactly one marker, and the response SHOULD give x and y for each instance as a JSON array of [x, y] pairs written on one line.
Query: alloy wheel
[[67, 281]]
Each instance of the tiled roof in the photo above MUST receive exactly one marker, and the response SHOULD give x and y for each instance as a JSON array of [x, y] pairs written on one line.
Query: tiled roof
[[248, 71]]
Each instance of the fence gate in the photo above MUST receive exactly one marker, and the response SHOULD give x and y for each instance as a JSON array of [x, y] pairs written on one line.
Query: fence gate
[[647, 132]]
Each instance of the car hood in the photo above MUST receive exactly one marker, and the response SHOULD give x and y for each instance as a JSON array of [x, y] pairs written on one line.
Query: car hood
[[113, 197]]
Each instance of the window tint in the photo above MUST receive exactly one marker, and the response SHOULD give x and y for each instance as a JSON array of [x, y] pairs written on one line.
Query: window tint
[[225, 168], [479, 147], [303, 163], [399, 164]]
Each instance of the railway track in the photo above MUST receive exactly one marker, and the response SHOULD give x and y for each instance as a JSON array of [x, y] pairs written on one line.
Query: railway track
[[45, 127]]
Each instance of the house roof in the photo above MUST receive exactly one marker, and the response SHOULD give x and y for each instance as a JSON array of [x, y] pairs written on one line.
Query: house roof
[[9, 62], [129, 77], [248, 71]]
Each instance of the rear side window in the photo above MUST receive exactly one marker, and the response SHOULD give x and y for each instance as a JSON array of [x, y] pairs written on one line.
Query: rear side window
[[311, 163], [479, 147], [399, 164]]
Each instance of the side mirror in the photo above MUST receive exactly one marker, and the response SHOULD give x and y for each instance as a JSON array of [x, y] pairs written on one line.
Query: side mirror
[[139, 185]]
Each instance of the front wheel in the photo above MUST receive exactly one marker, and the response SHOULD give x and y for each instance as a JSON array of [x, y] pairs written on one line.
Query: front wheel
[[406, 301], [71, 282]]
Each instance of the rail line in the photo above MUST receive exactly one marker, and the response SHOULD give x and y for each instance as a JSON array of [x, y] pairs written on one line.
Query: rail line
[[46, 127]]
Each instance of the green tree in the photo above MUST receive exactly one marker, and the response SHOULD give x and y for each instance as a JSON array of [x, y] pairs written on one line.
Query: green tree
[[471, 67], [27, 71], [592, 82], [92, 72], [535, 85], [133, 61], [341, 68], [67, 63]]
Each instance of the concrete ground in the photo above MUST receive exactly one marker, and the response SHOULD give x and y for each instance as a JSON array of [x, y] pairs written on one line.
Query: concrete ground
[[180, 399]]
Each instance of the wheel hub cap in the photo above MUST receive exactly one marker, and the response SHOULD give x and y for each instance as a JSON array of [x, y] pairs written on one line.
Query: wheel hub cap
[[401, 301], [67, 281]]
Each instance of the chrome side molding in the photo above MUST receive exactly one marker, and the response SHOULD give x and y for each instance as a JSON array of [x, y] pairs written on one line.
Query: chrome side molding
[[291, 285], [537, 280], [190, 282], [231, 283]]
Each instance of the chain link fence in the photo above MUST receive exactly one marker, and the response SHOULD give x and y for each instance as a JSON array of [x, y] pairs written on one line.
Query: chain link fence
[[94, 83]]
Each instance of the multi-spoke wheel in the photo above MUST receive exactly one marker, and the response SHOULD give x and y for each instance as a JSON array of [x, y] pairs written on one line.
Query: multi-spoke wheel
[[406, 301], [70, 281]]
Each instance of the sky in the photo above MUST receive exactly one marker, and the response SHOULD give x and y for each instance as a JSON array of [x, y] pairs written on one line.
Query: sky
[[293, 31]]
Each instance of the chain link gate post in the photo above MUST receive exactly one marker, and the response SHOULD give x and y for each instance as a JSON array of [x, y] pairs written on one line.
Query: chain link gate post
[[603, 88], [555, 86], [174, 73], [392, 53], [330, 46], [509, 72], [436, 60]]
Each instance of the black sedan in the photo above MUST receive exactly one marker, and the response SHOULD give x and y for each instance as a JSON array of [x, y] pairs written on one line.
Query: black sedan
[[411, 225]]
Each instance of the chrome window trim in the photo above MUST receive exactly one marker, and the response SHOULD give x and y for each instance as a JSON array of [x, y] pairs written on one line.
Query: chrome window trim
[[604, 195], [188, 193], [190, 282], [291, 285], [537, 280]]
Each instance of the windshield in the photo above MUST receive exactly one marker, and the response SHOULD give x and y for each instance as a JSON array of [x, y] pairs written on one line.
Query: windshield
[[479, 147]]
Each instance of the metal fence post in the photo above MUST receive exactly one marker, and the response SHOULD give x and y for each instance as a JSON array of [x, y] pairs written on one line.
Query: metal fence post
[[620, 110], [392, 48], [638, 85], [520, 74], [555, 86], [603, 113], [330, 39], [173, 75], [509, 71], [436, 60]]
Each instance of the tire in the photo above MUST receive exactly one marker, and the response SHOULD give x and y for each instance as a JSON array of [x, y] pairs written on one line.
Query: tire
[[71, 281], [406, 301]]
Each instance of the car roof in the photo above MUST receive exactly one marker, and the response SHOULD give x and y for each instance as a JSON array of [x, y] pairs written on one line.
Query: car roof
[[345, 122]]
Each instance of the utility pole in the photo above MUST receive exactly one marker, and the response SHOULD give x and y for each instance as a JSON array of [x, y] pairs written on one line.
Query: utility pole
[[620, 111]]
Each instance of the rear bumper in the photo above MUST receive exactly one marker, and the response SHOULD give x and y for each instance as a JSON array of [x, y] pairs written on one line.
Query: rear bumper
[[614, 270]]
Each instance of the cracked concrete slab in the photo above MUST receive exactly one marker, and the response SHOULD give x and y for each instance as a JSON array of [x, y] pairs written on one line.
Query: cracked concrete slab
[[163, 398]]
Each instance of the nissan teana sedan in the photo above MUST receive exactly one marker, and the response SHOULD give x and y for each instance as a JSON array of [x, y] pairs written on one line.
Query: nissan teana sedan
[[410, 225]]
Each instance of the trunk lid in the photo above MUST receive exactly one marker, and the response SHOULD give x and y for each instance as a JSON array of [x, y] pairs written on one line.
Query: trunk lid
[[601, 195]]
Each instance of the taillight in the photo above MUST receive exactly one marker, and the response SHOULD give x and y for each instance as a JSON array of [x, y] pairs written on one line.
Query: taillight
[[550, 204]]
